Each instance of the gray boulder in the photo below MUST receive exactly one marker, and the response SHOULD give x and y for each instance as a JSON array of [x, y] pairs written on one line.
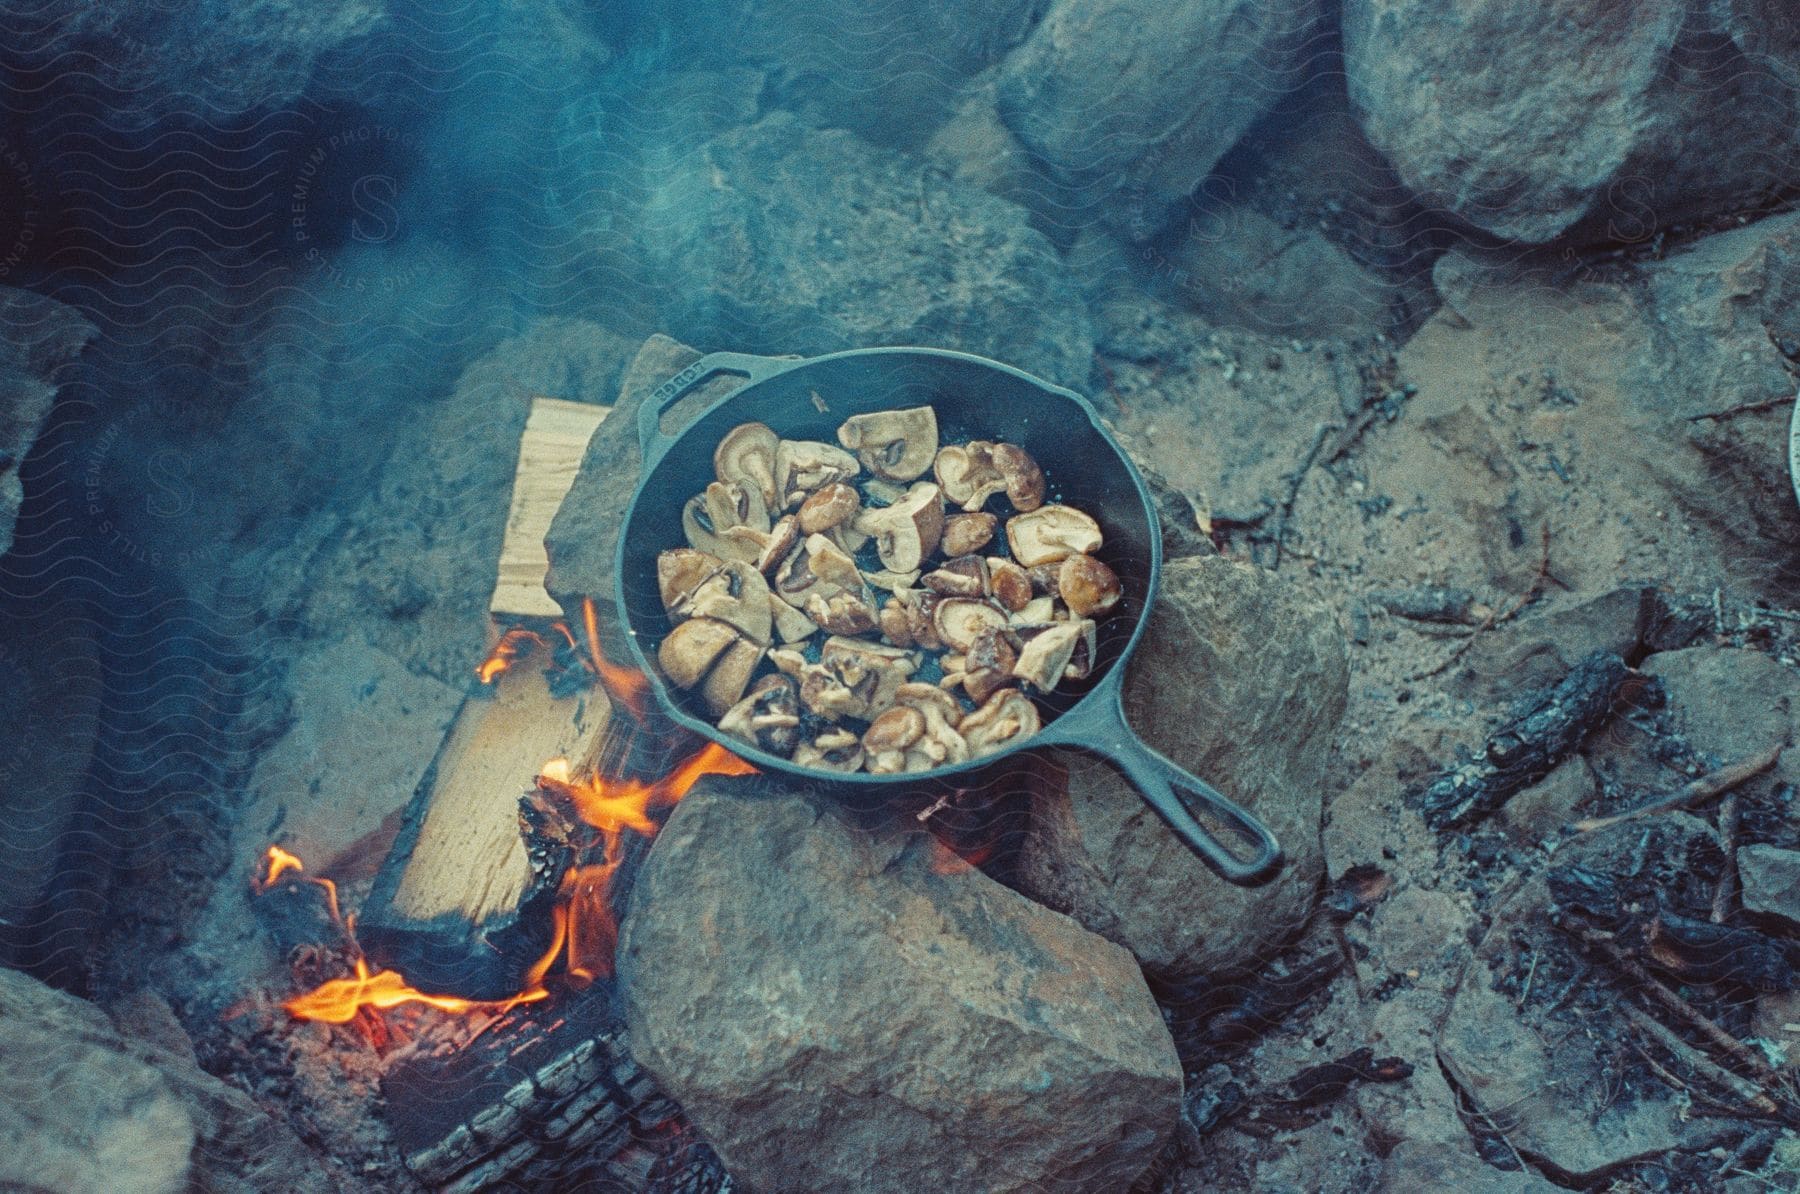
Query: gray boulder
[[1138, 100], [1243, 681], [38, 337], [1771, 881], [792, 239], [841, 1009], [1532, 121]]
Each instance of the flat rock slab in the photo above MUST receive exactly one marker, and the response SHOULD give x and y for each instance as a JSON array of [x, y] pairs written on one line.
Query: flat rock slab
[[1771, 879], [1243, 680], [840, 1009]]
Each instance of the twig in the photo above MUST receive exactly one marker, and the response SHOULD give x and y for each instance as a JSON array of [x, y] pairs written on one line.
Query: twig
[[1734, 1110], [1529, 976], [1744, 408], [1705, 788], [1298, 476], [1499, 618], [1659, 991], [1700, 1063], [1728, 830]]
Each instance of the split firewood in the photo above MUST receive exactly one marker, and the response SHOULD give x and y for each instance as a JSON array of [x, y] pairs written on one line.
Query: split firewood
[[1697, 792], [1528, 746], [550, 451]]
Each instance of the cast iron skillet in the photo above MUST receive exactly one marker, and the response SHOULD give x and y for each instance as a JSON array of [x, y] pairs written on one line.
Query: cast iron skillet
[[975, 398]]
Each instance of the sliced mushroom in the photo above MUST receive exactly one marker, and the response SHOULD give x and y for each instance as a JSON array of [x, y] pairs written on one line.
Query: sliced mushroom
[[737, 595], [791, 626], [817, 565], [689, 651], [928, 696], [1024, 479], [768, 717], [968, 475], [988, 667], [895, 445], [941, 742], [883, 493], [832, 750], [788, 661], [828, 507], [888, 736], [703, 534], [874, 672], [1043, 577], [921, 614], [908, 531], [1087, 586], [778, 543], [805, 466], [1005, 718], [847, 611], [965, 534], [724, 685], [960, 621], [1009, 584], [1046, 655], [894, 623], [1051, 533], [893, 582], [1039, 611], [965, 576], [832, 564], [681, 570], [1081, 661], [736, 504], [747, 455]]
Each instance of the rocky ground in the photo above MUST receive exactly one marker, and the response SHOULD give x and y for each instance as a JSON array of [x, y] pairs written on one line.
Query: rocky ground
[[1461, 346]]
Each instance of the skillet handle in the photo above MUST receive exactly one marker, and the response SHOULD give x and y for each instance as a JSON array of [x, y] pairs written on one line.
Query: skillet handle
[[1097, 726], [651, 440]]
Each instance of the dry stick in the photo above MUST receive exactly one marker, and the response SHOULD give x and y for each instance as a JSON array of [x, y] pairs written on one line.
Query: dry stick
[[1497, 619], [1728, 829], [1293, 493], [1704, 788], [1700, 1063], [1736, 1110], [1698, 1020]]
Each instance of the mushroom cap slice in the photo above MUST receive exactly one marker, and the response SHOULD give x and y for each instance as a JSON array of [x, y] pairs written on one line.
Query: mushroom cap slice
[[1039, 611], [681, 570], [895, 445], [831, 564], [778, 543], [1046, 654], [907, 531], [747, 455], [768, 717], [925, 697], [1088, 587], [835, 503], [895, 730], [1006, 717], [1051, 533], [790, 625], [968, 475], [833, 750], [988, 667], [724, 685], [1009, 584], [873, 671], [961, 620], [1024, 479], [965, 534], [736, 504], [844, 612], [737, 595], [705, 535], [965, 576], [689, 651], [803, 466]]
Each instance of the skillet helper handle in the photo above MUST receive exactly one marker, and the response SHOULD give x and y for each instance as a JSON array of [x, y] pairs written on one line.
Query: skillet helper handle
[[1098, 726], [651, 410]]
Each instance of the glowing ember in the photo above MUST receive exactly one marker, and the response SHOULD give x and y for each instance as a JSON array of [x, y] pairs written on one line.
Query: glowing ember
[[338, 1001], [626, 686]]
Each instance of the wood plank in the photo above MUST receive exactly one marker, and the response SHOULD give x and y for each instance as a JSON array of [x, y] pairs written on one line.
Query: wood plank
[[550, 451]]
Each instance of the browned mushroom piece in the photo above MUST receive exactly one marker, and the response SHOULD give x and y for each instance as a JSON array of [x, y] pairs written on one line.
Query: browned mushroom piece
[[1087, 646], [736, 504], [1039, 611], [968, 475], [747, 455], [940, 744], [888, 736], [768, 717], [1024, 479], [893, 582], [882, 493], [1045, 658], [872, 671], [1009, 584], [790, 625], [1005, 718], [788, 661], [966, 534], [703, 534], [832, 750], [1043, 578], [835, 503], [846, 611], [1051, 533], [689, 651], [960, 621], [724, 685], [895, 445], [831, 564], [681, 570], [737, 595], [988, 666], [965, 576], [778, 543], [804, 467], [908, 531], [1088, 587], [817, 565]]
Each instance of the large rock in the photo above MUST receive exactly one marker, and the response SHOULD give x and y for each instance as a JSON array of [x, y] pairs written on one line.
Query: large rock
[[84, 1108], [781, 238], [1771, 879], [846, 1010], [1243, 681], [1139, 100], [1604, 121], [38, 338]]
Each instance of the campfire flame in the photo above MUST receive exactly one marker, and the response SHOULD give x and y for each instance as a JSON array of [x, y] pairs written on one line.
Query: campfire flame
[[627, 687], [514, 645], [339, 1000]]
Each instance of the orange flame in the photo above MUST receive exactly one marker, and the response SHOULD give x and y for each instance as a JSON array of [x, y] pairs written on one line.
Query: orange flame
[[516, 644], [339, 1000], [279, 863], [626, 686]]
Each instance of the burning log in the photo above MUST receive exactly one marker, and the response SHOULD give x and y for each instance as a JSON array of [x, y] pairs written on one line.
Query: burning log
[[1528, 745]]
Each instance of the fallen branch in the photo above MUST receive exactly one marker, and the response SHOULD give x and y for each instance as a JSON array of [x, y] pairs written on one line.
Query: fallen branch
[[1295, 479], [1728, 830], [1700, 790], [1740, 1088]]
